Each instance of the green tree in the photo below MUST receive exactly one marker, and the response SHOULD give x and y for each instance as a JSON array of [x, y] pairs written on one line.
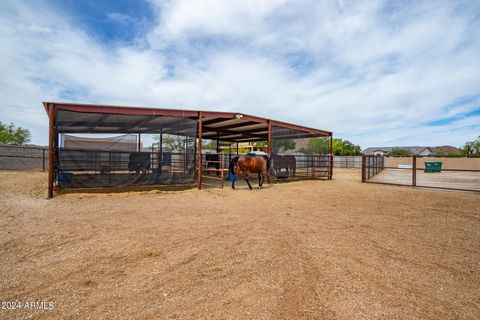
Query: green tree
[[345, 148], [317, 145], [212, 144], [10, 134], [261, 144], [176, 143], [339, 147], [472, 147], [283, 145], [399, 152]]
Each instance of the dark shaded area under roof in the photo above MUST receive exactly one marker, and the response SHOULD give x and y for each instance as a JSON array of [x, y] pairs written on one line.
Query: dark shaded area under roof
[[225, 126]]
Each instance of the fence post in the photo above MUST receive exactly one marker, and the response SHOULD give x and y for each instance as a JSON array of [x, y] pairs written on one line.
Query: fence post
[[269, 150], [330, 170], [414, 173], [314, 164], [369, 164], [199, 150], [363, 169], [223, 168], [51, 150], [43, 159]]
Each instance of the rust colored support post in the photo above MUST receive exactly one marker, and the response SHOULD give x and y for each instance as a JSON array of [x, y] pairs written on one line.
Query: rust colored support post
[[185, 154], [414, 171], [269, 150], [160, 152], [223, 168], [138, 145], [218, 143], [43, 159], [237, 148], [313, 167], [330, 170], [51, 150], [363, 169], [199, 160], [368, 167]]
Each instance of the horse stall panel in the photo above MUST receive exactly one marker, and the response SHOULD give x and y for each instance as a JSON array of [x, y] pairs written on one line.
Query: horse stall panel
[[381, 169], [99, 169], [460, 173], [213, 170], [104, 161], [295, 156]]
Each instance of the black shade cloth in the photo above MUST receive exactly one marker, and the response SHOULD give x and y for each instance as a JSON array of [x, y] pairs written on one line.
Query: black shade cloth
[[116, 162]]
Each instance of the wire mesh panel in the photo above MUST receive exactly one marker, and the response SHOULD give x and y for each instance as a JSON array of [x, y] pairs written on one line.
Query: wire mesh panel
[[213, 170], [462, 173], [299, 155], [121, 161], [455, 173], [373, 165], [388, 170]]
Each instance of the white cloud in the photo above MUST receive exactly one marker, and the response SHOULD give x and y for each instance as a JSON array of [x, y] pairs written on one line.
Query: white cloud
[[375, 72]]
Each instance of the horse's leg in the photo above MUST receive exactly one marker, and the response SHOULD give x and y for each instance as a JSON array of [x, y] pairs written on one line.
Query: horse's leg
[[259, 180], [236, 171], [248, 182]]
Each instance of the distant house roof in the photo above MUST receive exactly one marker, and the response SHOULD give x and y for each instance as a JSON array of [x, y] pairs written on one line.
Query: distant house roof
[[445, 150], [415, 150]]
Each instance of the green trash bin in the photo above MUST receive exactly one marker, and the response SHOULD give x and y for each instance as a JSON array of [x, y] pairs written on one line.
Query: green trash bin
[[432, 167]]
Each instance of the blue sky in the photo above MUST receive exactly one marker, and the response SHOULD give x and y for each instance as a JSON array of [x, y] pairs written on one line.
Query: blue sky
[[378, 73]]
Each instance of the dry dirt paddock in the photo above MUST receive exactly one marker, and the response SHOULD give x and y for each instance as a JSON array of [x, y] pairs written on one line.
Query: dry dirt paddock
[[305, 250]]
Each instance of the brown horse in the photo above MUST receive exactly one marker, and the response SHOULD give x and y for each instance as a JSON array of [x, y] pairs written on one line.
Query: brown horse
[[249, 164]]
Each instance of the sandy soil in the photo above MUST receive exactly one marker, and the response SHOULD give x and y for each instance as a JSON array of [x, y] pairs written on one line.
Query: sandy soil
[[303, 250]]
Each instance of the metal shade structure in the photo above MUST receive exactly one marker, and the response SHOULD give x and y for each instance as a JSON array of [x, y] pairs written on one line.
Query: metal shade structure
[[68, 118]]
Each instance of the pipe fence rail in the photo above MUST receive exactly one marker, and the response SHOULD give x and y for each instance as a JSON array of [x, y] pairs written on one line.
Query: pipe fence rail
[[451, 173]]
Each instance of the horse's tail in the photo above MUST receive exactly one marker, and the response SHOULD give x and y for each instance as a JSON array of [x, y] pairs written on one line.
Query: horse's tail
[[269, 162], [233, 163]]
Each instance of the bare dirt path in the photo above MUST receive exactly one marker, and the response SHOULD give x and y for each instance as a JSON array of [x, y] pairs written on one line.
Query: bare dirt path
[[304, 250]]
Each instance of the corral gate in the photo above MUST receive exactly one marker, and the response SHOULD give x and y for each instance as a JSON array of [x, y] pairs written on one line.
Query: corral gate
[[213, 170], [452, 173]]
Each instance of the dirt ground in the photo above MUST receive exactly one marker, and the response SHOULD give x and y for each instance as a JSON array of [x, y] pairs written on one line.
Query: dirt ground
[[303, 250]]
